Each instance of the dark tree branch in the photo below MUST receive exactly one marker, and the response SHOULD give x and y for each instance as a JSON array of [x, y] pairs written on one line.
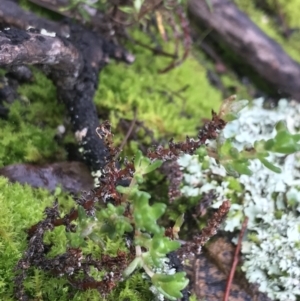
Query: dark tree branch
[[263, 54], [72, 63], [19, 47]]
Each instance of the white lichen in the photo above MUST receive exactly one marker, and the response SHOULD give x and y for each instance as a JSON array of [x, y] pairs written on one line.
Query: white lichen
[[271, 201], [48, 33], [80, 135]]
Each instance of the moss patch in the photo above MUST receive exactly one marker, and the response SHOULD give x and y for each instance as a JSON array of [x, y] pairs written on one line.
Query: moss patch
[[171, 104], [21, 207], [28, 134]]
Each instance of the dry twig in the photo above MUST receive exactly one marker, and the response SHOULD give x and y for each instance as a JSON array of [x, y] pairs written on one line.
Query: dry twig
[[235, 260]]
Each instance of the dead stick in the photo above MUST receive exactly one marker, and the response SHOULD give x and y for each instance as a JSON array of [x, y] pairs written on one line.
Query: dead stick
[[231, 27]]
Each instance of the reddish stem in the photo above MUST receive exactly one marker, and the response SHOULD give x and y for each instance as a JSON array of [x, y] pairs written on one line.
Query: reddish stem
[[235, 260]]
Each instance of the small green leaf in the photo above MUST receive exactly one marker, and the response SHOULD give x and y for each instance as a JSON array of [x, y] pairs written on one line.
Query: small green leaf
[[234, 168], [123, 225], [269, 165], [179, 222], [284, 142], [156, 164], [126, 9], [205, 164], [201, 152], [139, 178], [241, 168], [234, 153], [268, 145], [160, 247], [127, 190], [137, 159], [81, 213], [146, 216], [138, 5], [170, 285], [281, 126], [226, 147], [143, 165], [234, 184]]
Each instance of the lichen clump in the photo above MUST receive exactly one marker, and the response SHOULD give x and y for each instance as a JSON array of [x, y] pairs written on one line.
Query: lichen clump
[[271, 201]]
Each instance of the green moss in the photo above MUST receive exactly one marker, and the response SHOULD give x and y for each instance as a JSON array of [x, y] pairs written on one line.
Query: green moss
[[28, 134], [21, 207], [134, 289], [289, 10], [230, 81], [155, 95]]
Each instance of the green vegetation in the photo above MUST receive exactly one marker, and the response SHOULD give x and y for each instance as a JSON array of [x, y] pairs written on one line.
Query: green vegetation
[[269, 200], [171, 105], [28, 134], [23, 206], [104, 232]]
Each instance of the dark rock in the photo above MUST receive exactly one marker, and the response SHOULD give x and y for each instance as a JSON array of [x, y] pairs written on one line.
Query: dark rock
[[73, 177]]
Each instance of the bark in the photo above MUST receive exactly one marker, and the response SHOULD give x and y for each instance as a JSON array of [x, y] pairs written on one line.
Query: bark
[[72, 63], [12, 14], [20, 47], [251, 44]]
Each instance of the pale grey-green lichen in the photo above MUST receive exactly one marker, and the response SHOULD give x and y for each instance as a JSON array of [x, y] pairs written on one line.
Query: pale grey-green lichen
[[271, 201]]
